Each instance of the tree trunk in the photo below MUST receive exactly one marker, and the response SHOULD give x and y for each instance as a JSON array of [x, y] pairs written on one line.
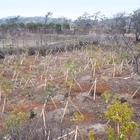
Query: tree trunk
[[137, 35]]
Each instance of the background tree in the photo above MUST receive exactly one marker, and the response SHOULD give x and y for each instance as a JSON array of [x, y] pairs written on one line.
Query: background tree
[[58, 28], [118, 29], [47, 15], [136, 23], [66, 25]]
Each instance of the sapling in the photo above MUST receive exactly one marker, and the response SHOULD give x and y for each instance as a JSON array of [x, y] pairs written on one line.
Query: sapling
[[71, 70], [14, 120], [120, 114], [90, 135], [106, 96], [5, 86], [76, 117]]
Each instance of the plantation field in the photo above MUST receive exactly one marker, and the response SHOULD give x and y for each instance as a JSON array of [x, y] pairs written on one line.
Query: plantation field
[[67, 91]]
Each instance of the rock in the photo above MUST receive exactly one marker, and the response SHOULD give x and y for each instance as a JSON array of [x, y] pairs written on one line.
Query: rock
[[105, 78], [82, 96], [126, 98], [59, 97], [85, 78], [56, 114], [97, 128]]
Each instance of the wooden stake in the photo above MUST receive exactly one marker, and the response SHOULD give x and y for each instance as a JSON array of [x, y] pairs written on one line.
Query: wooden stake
[[64, 110], [80, 134], [95, 85], [135, 92], [3, 108], [75, 107], [64, 135], [75, 138], [77, 84], [53, 101]]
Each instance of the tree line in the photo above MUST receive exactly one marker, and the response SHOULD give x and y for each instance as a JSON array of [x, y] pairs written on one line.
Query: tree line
[[33, 27]]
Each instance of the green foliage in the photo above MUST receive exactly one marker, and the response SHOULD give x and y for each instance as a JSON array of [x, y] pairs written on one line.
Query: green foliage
[[3, 26], [58, 27], [14, 120], [5, 84], [110, 132], [47, 94], [120, 114], [69, 83], [66, 25], [51, 25], [71, 67], [25, 90], [106, 96], [21, 25], [76, 117], [90, 135]]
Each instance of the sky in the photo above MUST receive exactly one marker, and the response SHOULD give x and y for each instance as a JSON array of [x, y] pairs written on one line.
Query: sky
[[71, 9]]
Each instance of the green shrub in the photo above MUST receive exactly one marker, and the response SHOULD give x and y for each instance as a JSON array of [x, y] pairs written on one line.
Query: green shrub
[[120, 114]]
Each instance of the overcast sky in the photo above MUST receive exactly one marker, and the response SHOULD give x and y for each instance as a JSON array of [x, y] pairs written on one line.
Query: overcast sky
[[68, 8]]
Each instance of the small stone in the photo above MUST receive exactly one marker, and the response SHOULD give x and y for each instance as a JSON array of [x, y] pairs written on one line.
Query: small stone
[[59, 98]]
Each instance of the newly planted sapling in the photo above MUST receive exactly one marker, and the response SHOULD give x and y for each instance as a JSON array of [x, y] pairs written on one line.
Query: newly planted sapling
[[71, 70], [46, 97], [76, 117], [5, 86], [106, 96], [90, 135]]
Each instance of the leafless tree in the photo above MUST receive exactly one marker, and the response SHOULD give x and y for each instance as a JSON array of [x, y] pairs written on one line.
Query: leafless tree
[[47, 15], [118, 29], [136, 23]]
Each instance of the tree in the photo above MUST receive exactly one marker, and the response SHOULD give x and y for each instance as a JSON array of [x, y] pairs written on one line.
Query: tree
[[58, 27], [82, 20], [47, 15], [31, 26], [136, 23], [12, 23], [12, 20], [118, 28], [66, 25], [22, 25]]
